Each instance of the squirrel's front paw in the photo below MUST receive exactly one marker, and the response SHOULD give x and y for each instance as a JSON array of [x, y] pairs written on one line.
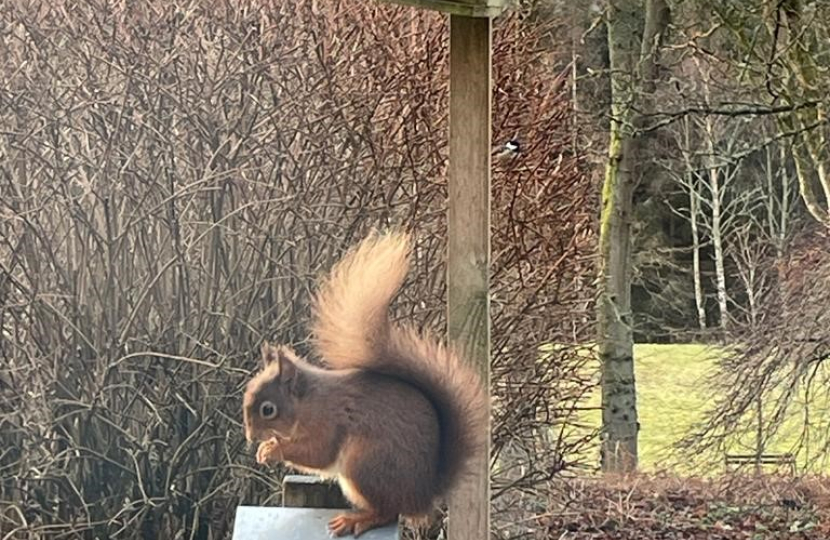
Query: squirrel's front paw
[[268, 452]]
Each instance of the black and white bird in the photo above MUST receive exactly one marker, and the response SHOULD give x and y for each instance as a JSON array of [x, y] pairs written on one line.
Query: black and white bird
[[509, 150]]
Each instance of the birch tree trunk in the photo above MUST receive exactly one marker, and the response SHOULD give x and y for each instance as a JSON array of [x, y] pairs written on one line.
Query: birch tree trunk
[[694, 213], [633, 65], [716, 229]]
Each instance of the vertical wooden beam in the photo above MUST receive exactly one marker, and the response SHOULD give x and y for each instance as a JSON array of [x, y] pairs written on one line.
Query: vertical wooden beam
[[469, 238]]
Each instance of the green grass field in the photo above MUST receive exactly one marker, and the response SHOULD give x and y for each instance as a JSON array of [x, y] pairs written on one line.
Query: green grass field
[[672, 396]]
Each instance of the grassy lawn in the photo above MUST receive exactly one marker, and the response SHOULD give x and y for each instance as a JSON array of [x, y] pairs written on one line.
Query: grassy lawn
[[672, 397], [672, 394]]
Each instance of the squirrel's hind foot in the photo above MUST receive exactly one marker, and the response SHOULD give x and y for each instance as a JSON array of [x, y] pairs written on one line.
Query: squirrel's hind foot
[[358, 523]]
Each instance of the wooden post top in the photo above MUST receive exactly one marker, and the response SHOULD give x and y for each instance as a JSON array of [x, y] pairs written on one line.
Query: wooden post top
[[467, 8]]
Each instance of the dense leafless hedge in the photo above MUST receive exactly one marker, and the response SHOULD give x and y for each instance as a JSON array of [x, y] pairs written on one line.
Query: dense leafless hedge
[[174, 176]]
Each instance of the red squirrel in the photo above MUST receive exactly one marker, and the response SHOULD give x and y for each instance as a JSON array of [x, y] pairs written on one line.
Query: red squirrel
[[396, 418]]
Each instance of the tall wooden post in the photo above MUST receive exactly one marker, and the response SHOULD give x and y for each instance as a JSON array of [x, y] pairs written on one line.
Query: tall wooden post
[[469, 238]]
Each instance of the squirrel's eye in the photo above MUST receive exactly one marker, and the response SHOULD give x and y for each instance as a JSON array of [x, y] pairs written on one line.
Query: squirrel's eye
[[268, 410]]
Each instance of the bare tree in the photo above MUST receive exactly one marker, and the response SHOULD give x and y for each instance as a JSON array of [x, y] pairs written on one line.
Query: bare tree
[[775, 375]]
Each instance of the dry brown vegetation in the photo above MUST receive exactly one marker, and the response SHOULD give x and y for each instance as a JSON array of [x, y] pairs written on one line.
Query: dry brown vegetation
[[729, 508], [174, 176]]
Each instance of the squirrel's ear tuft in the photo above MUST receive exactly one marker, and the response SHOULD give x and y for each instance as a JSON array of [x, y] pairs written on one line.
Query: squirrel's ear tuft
[[290, 376], [284, 359], [269, 354], [285, 356]]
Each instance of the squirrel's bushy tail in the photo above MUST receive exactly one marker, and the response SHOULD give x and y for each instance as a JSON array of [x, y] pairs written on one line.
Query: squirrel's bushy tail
[[352, 330]]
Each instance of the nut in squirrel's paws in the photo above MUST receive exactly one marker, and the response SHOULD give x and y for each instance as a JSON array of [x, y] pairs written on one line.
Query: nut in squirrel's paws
[[268, 452]]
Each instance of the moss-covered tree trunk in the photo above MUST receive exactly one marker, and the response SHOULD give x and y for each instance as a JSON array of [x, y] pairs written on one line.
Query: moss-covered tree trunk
[[801, 46], [633, 43]]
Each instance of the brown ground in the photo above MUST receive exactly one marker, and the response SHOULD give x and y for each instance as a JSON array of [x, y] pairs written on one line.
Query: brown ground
[[669, 508]]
